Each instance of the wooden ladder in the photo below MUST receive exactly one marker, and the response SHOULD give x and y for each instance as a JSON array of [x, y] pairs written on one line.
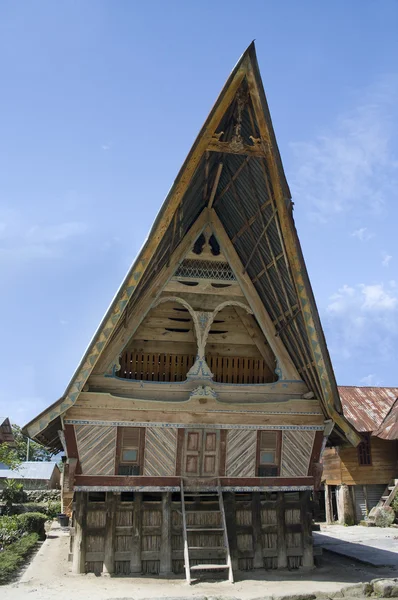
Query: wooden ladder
[[389, 493], [203, 493], [388, 496]]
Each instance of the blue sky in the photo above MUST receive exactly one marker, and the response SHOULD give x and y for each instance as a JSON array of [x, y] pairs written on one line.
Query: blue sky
[[100, 102]]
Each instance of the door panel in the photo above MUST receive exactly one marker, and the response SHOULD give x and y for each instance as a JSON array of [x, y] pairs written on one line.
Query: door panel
[[192, 454], [201, 452]]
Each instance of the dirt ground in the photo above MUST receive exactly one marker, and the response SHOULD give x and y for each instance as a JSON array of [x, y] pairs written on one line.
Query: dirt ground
[[48, 576]]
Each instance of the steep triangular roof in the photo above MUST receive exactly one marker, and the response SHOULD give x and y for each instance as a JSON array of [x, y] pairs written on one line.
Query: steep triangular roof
[[232, 179]]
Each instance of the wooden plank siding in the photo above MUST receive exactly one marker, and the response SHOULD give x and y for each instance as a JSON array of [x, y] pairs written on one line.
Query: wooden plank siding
[[160, 451], [241, 453], [296, 452], [97, 449], [125, 537], [342, 466]]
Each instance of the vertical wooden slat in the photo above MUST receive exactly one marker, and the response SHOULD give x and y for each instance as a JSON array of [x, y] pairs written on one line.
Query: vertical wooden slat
[[308, 554], [79, 539], [258, 562], [109, 541], [165, 543], [135, 560], [230, 519], [281, 530]]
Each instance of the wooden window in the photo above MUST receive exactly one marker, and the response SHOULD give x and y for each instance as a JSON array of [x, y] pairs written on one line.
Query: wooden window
[[268, 453], [364, 453], [130, 450], [96, 497]]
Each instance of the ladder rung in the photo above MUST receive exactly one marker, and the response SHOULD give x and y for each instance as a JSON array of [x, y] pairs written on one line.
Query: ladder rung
[[205, 528], [384, 497], [202, 511], [203, 494], [208, 548], [208, 567]]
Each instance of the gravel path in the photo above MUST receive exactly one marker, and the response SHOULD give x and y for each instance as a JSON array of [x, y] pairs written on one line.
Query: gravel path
[[48, 577]]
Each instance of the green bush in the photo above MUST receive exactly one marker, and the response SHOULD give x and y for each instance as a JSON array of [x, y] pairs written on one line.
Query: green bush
[[33, 523], [19, 509], [53, 509], [394, 506], [13, 492], [13, 557], [384, 516], [10, 531]]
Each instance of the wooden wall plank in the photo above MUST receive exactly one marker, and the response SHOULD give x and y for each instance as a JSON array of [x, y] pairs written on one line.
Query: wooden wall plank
[[241, 453], [160, 452], [97, 449], [296, 452]]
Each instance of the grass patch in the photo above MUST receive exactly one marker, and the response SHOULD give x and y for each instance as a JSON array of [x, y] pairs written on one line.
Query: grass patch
[[13, 557]]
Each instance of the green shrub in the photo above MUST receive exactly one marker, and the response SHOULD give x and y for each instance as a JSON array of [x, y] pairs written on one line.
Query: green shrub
[[394, 505], [53, 509], [10, 531], [13, 557], [33, 523], [13, 492], [19, 509], [384, 516]]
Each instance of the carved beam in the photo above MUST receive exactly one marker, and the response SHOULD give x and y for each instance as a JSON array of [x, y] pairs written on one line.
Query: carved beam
[[257, 149]]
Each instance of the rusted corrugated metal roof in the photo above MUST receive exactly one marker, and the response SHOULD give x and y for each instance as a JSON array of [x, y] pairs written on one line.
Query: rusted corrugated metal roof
[[367, 407], [388, 430]]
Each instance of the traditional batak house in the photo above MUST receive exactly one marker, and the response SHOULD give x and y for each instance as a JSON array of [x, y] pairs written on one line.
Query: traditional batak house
[[194, 424], [356, 480]]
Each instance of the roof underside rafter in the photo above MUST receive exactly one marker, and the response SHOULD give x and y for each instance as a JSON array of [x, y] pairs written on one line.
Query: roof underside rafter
[[232, 177]]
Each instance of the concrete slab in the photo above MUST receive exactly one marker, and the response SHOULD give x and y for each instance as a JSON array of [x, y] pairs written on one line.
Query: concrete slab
[[373, 546]]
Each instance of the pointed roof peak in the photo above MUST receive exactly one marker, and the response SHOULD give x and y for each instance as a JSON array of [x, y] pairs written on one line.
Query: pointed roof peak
[[251, 209]]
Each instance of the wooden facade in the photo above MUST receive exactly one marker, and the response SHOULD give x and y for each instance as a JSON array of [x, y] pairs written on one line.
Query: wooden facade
[[356, 480], [194, 425]]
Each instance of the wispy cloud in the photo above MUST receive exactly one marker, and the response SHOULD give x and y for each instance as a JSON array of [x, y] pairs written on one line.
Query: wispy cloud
[[21, 241], [105, 147], [363, 234], [371, 380], [386, 259], [362, 322], [351, 163]]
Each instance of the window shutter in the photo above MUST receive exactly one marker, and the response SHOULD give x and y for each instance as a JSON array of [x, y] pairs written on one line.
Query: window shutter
[[131, 437], [268, 439]]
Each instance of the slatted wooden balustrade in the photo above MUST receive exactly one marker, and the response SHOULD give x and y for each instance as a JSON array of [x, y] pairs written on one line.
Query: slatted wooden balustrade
[[155, 367], [174, 367]]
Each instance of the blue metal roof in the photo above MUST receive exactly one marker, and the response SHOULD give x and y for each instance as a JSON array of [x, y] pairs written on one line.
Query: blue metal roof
[[30, 470]]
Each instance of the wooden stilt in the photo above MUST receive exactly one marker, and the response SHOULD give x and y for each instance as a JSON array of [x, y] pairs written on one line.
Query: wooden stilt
[[135, 560], [306, 519], [230, 517], [79, 540], [281, 530], [185, 536], [165, 543], [258, 562], [108, 567], [328, 505]]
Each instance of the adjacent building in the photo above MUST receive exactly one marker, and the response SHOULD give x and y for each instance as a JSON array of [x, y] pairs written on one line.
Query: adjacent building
[[194, 424], [33, 475], [358, 479]]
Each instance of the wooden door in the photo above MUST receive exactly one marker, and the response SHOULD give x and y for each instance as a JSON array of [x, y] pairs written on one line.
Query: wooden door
[[201, 453]]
